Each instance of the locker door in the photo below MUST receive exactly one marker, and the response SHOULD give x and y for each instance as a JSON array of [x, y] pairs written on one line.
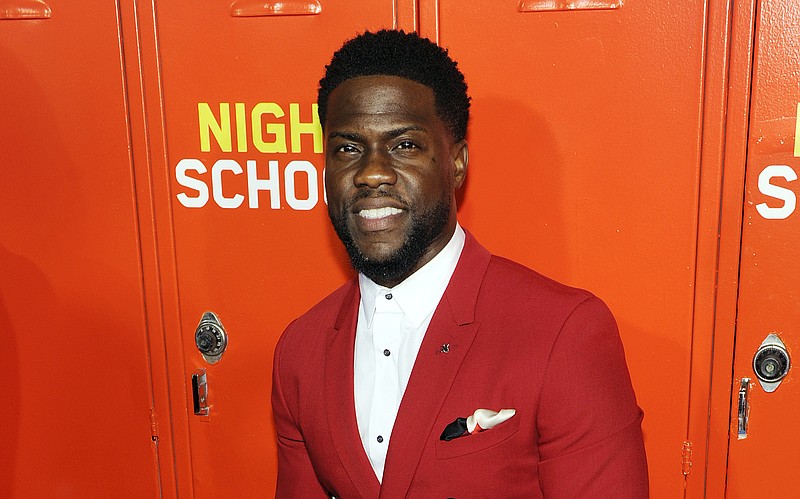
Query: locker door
[[75, 385], [252, 242], [585, 165], [763, 455]]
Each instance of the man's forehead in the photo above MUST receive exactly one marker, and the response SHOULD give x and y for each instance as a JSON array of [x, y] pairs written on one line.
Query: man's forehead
[[380, 95], [380, 86]]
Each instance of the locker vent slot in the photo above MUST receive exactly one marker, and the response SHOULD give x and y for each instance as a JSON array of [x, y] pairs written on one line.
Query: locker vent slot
[[24, 9], [260, 8], [549, 5]]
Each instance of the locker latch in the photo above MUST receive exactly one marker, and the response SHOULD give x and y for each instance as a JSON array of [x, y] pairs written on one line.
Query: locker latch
[[744, 407], [200, 392]]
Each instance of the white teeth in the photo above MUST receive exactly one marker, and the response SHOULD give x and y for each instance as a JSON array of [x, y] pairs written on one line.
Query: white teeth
[[379, 212]]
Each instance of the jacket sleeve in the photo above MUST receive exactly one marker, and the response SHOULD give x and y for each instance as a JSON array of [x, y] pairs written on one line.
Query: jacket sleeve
[[589, 425], [296, 476]]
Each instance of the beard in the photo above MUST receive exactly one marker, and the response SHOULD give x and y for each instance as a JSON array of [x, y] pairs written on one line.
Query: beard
[[424, 229]]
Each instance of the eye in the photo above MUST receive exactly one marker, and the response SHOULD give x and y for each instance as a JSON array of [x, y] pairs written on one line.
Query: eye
[[406, 144], [346, 149]]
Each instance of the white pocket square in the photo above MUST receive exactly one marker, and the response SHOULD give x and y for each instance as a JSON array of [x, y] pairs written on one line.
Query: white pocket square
[[480, 420]]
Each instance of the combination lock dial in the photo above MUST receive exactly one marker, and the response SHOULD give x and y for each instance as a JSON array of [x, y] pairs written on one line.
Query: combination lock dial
[[771, 362], [210, 337]]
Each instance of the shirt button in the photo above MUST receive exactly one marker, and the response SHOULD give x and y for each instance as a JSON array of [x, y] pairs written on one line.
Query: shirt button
[[386, 352], [388, 296], [380, 439]]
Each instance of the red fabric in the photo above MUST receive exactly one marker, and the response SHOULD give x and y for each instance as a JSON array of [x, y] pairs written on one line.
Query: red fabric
[[517, 340]]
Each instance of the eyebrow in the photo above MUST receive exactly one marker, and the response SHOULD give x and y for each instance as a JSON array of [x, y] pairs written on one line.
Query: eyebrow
[[391, 134], [400, 131]]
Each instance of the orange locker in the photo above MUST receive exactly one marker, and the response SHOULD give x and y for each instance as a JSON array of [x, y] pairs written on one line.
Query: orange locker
[[77, 393], [762, 452], [585, 166], [162, 160], [245, 211]]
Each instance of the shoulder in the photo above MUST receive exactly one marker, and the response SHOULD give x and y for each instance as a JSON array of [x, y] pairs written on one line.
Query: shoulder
[[507, 291], [515, 285], [326, 311], [312, 325]]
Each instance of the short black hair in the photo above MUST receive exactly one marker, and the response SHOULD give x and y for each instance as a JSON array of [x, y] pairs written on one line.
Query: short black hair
[[397, 53]]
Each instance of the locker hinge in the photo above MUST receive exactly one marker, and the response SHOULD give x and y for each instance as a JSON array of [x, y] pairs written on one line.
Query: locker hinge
[[686, 458], [153, 425]]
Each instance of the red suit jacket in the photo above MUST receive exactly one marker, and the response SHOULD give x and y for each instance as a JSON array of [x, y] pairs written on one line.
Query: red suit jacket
[[517, 340]]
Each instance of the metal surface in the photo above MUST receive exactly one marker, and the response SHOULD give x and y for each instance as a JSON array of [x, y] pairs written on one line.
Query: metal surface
[[273, 255], [769, 291], [588, 132], [744, 407], [771, 363], [584, 165], [551, 5], [24, 10], [200, 393], [77, 393], [258, 8], [211, 338], [727, 103]]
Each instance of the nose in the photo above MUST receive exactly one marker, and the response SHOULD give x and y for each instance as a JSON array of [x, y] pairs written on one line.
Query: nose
[[375, 170]]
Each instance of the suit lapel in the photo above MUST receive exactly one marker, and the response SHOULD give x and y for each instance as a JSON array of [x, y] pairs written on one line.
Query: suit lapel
[[434, 371], [339, 402]]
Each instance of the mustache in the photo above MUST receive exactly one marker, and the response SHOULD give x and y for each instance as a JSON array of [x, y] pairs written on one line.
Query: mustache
[[366, 194]]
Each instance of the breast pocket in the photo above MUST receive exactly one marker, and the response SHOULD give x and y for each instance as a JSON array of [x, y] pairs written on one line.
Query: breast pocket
[[470, 444]]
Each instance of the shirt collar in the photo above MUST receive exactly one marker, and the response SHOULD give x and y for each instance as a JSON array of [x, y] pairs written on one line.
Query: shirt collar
[[419, 294]]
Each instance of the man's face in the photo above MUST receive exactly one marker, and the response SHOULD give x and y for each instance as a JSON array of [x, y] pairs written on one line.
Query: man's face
[[391, 172]]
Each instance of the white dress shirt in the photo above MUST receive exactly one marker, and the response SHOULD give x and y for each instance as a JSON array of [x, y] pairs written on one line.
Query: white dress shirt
[[391, 326]]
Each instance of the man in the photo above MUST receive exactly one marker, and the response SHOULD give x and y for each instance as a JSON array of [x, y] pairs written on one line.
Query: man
[[441, 370]]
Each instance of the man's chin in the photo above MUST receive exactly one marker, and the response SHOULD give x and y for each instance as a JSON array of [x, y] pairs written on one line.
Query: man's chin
[[371, 262], [388, 258], [384, 268], [378, 254]]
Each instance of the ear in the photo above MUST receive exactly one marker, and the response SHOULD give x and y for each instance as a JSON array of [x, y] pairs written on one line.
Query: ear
[[460, 155]]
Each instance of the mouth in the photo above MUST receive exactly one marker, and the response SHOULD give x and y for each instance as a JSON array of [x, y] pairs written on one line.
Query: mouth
[[377, 213]]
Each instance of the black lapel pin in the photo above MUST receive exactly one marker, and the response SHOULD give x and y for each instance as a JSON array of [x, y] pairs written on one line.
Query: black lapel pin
[[445, 348]]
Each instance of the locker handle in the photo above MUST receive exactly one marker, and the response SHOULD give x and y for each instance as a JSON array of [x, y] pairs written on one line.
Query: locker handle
[[259, 8], [200, 392], [744, 408], [24, 9], [550, 5]]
